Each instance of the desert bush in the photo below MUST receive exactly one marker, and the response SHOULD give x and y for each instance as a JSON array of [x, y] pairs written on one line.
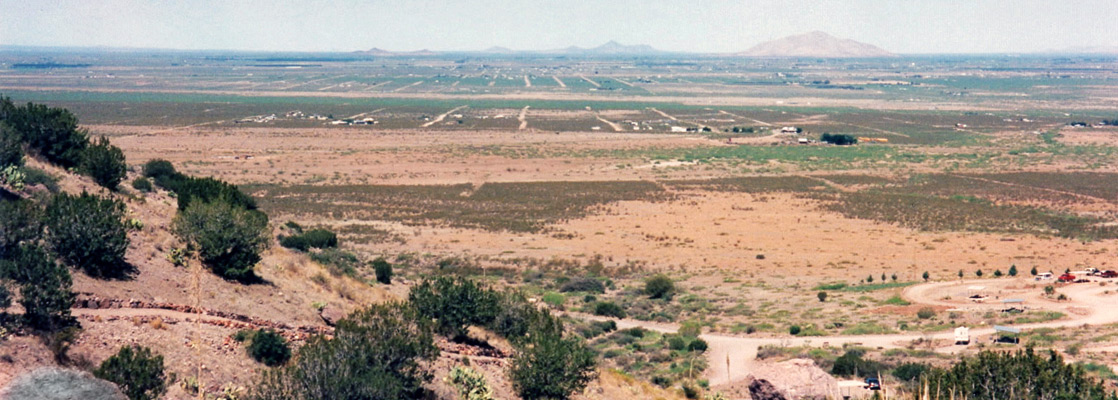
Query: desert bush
[[228, 239], [315, 238], [926, 313], [910, 372], [794, 329], [455, 304], [851, 363], [20, 222], [698, 345], [45, 291], [590, 285], [137, 371], [515, 316], [338, 262], [104, 163], [88, 232], [551, 366], [659, 287], [676, 342], [471, 385], [379, 353], [11, 146], [142, 184], [608, 309], [53, 132], [159, 170], [383, 270], [269, 348]]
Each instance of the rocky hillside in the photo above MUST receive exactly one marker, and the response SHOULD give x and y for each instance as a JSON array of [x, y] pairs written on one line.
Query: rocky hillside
[[815, 44]]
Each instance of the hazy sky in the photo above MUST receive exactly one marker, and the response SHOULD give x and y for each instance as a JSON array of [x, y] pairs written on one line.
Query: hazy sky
[[900, 26]]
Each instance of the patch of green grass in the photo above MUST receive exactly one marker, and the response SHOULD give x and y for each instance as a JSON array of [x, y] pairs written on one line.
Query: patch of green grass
[[896, 300], [867, 328], [872, 287]]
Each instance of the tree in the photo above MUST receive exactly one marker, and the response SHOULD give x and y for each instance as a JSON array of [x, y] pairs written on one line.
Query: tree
[[1033, 271], [926, 276], [822, 296], [698, 345], [228, 239], [608, 309], [869, 279], [11, 146], [659, 286], [960, 274], [45, 291], [269, 348], [455, 304], [137, 371], [893, 277], [383, 270], [910, 372], [104, 163], [551, 366], [88, 232], [378, 353], [978, 273], [997, 273], [1013, 270]]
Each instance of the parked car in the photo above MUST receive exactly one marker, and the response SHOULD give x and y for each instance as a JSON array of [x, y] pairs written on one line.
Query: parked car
[[873, 384], [1108, 274]]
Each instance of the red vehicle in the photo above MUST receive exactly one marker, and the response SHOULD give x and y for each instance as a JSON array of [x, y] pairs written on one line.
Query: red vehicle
[[1066, 278], [1108, 274]]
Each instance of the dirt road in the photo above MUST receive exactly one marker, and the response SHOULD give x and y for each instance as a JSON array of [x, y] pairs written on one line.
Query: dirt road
[[523, 118], [442, 116]]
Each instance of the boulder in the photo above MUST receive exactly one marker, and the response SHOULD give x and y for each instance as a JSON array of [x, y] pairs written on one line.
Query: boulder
[[331, 314], [761, 389]]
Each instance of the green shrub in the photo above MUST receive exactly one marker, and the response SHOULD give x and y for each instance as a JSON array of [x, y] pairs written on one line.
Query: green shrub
[[470, 384], [243, 335], [137, 371], [1015, 375], [455, 303], [608, 309], [53, 132], [142, 184], [338, 262], [269, 348], [45, 290], [315, 238], [228, 239], [590, 285], [676, 342], [20, 222], [659, 287], [104, 163], [88, 232], [698, 345], [910, 372], [159, 169], [926, 313], [383, 270], [382, 352], [551, 366], [794, 329], [11, 146]]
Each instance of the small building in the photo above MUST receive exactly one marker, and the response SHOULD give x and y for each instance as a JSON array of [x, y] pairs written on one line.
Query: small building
[[789, 129], [962, 335], [678, 129], [1005, 334]]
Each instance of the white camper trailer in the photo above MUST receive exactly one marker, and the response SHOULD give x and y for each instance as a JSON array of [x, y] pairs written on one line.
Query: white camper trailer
[[962, 335]]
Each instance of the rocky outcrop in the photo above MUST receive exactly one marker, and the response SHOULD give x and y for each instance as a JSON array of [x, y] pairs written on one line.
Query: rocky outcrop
[[793, 380], [761, 389]]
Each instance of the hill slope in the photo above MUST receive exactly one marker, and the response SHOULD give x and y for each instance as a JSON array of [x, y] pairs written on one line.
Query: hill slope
[[815, 44]]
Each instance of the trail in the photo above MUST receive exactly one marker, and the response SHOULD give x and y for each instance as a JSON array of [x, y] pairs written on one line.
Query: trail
[[523, 117], [878, 130], [1057, 191], [366, 113], [308, 82], [378, 85], [677, 119], [596, 84], [527, 82], [625, 83], [616, 127], [442, 116], [743, 117], [560, 82], [408, 86]]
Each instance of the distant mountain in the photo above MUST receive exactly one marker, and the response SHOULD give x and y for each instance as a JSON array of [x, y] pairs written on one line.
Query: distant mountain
[[1086, 50], [499, 50], [385, 53], [815, 44]]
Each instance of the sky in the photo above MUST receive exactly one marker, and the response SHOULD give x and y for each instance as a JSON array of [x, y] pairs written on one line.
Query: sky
[[705, 26]]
